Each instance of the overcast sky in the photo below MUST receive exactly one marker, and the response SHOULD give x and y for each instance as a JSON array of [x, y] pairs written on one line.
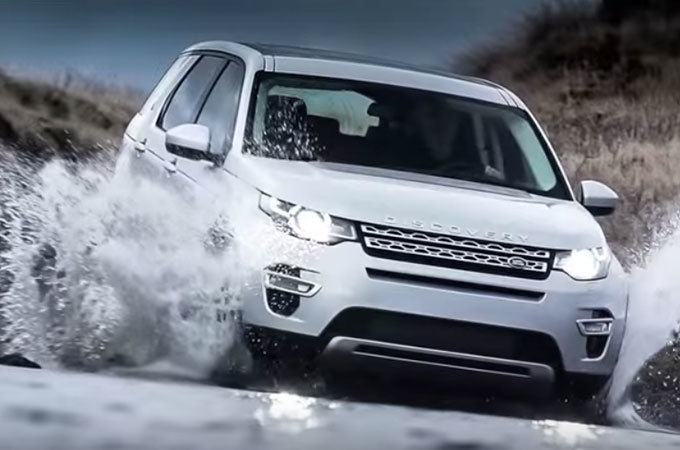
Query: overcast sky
[[132, 42]]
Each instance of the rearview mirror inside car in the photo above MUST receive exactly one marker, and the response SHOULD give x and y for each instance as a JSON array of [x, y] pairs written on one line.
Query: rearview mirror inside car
[[598, 198]]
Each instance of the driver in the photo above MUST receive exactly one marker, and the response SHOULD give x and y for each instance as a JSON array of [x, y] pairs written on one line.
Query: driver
[[447, 136]]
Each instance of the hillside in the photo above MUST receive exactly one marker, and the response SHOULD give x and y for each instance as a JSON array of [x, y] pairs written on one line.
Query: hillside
[[73, 118], [604, 80]]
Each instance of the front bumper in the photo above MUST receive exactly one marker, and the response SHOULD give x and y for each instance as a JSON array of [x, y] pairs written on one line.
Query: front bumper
[[496, 308]]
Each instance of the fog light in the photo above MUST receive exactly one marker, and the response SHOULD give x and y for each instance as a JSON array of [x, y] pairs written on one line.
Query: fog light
[[290, 284], [595, 327], [283, 303]]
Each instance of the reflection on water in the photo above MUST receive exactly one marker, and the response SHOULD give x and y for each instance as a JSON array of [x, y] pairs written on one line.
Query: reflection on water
[[289, 412], [567, 433]]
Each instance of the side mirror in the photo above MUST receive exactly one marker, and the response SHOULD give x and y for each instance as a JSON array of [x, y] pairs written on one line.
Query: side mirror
[[190, 141], [598, 198]]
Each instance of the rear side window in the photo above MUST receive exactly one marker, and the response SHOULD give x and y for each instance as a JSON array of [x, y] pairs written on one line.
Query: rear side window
[[190, 94], [156, 96], [221, 106]]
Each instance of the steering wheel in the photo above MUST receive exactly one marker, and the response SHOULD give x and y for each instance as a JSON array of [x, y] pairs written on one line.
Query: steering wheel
[[458, 167]]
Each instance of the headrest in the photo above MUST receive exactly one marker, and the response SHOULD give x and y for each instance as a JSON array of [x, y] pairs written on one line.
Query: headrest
[[378, 110], [326, 124]]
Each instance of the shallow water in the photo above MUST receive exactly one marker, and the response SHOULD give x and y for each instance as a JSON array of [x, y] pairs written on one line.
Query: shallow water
[[48, 409]]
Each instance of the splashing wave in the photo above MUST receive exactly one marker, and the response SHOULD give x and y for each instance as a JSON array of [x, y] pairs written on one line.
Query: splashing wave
[[99, 270], [653, 314]]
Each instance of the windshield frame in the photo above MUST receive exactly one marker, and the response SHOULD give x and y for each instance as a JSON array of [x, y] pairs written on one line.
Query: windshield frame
[[562, 189]]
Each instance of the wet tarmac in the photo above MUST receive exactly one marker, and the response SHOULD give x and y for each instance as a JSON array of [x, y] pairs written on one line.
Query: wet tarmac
[[62, 410]]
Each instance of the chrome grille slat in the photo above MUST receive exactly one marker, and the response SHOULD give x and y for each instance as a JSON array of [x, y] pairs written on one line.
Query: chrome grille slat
[[463, 252], [454, 241], [465, 256]]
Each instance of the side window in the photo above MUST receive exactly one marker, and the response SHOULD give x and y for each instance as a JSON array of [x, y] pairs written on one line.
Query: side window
[[221, 107], [188, 97], [171, 74]]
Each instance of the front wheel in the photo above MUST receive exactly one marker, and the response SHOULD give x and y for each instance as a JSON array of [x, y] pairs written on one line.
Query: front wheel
[[586, 396], [587, 387], [281, 358]]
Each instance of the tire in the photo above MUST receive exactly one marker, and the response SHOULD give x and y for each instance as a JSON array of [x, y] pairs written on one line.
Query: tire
[[584, 396], [588, 388], [282, 358]]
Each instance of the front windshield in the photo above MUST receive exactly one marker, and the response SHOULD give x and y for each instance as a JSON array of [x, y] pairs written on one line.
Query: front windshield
[[390, 127]]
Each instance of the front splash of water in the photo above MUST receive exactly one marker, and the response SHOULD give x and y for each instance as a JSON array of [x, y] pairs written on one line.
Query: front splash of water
[[100, 270], [653, 314]]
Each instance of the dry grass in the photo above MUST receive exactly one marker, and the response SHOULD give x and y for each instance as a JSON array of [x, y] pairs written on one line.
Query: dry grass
[[608, 93], [71, 117]]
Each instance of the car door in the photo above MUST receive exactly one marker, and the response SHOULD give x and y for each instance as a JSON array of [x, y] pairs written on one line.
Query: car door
[[218, 112], [138, 154], [182, 105]]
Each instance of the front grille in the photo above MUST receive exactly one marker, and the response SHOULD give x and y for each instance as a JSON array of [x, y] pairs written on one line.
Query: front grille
[[456, 252]]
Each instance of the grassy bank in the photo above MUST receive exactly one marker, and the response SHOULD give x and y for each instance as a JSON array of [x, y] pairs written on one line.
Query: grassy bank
[[72, 117]]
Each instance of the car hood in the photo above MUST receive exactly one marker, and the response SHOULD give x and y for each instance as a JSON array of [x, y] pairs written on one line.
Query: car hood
[[427, 203]]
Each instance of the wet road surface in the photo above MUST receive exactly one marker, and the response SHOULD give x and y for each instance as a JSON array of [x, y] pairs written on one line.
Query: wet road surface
[[61, 410]]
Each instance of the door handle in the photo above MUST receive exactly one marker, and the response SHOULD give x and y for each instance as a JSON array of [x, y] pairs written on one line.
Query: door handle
[[171, 166], [140, 147]]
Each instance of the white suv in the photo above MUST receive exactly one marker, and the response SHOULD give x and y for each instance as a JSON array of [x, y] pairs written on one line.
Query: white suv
[[451, 245]]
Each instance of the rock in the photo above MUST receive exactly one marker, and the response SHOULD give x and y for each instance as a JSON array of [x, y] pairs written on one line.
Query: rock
[[7, 132], [18, 360]]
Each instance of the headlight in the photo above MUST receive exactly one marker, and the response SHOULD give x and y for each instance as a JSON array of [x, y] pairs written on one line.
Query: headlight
[[307, 223], [586, 264]]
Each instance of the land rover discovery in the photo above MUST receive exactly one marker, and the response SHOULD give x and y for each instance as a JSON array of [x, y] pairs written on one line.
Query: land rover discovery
[[447, 241]]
